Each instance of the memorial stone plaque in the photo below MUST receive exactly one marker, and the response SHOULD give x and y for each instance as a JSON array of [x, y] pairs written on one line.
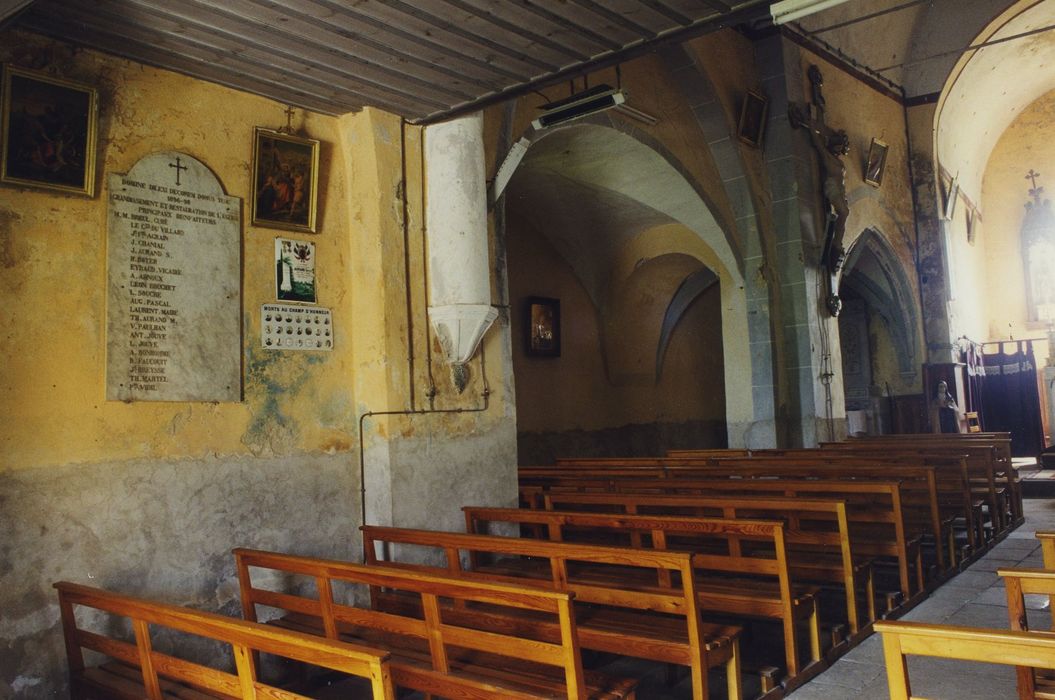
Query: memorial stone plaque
[[173, 268]]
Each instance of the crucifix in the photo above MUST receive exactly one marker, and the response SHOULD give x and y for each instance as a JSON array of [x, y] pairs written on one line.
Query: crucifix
[[289, 112], [831, 145], [1035, 191], [178, 166]]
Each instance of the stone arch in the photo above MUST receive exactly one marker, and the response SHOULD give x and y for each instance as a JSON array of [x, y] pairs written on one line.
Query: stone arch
[[682, 216], [875, 272]]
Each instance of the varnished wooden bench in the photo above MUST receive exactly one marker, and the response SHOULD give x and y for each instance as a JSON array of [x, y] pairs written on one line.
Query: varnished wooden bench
[[817, 533], [435, 651], [735, 577], [1011, 648], [874, 508], [137, 670], [992, 449], [1032, 682], [645, 604], [923, 486]]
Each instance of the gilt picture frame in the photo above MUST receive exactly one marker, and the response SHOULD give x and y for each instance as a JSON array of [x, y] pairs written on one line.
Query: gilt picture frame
[[542, 327], [285, 181], [48, 131], [875, 166], [752, 124]]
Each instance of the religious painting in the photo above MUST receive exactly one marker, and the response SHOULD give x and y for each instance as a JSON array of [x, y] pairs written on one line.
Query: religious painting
[[294, 270], [876, 163], [543, 327], [48, 132], [285, 181], [752, 119]]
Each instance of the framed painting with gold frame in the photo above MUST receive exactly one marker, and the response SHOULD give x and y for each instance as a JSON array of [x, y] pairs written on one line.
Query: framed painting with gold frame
[[48, 132], [285, 181], [543, 326]]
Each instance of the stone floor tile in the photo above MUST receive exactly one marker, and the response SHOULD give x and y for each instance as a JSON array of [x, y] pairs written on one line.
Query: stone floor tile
[[979, 580]]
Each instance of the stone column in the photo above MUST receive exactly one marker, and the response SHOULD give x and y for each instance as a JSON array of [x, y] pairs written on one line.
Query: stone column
[[456, 224]]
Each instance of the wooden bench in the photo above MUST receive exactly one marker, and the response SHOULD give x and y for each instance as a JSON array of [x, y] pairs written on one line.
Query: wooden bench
[[735, 579], [994, 449], [650, 602], [1011, 648], [874, 509], [924, 487], [140, 671], [435, 651], [921, 500], [1020, 582], [817, 533]]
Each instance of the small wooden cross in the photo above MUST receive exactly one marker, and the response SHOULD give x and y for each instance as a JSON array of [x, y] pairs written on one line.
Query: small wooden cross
[[289, 119], [1032, 176], [178, 166]]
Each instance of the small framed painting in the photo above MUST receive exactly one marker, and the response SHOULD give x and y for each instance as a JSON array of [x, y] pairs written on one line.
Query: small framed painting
[[48, 132], [876, 163], [543, 327], [285, 181], [752, 119]]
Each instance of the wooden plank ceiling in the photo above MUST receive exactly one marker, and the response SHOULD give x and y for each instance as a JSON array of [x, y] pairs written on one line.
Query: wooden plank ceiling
[[423, 59]]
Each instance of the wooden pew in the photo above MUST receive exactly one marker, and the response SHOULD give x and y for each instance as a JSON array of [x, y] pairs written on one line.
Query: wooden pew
[[874, 508], [436, 651], [736, 578], [138, 670], [817, 533], [921, 499], [995, 449], [650, 611], [1011, 648], [1020, 582]]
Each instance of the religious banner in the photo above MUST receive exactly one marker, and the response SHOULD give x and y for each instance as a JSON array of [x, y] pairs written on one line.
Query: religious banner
[[174, 292]]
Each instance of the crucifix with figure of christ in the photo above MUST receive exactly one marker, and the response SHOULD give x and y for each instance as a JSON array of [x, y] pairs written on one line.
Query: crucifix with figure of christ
[[831, 145]]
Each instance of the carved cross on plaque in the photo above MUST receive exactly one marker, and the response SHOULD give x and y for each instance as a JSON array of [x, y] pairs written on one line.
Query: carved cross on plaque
[[178, 166]]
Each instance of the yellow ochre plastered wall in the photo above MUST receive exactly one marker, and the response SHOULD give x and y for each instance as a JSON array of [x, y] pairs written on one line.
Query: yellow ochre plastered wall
[[53, 281]]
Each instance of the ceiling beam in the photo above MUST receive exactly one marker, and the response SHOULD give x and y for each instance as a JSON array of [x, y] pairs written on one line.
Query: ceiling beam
[[10, 8]]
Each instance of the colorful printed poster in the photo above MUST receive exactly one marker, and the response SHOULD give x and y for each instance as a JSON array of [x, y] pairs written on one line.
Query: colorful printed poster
[[294, 270]]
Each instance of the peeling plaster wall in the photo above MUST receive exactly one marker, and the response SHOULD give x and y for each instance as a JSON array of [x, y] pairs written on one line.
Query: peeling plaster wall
[[149, 498]]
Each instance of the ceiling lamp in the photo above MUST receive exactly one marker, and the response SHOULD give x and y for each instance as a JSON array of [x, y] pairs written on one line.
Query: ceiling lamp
[[791, 10]]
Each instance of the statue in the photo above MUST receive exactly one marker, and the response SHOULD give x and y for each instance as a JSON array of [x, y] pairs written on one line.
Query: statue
[[831, 145]]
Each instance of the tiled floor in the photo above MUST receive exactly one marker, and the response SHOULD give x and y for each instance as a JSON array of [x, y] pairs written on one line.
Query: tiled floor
[[975, 598]]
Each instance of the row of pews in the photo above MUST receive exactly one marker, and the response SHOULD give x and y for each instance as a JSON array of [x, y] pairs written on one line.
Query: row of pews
[[723, 565]]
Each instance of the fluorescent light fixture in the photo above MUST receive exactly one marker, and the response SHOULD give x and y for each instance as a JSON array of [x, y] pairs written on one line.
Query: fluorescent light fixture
[[791, 10], [581, 104]]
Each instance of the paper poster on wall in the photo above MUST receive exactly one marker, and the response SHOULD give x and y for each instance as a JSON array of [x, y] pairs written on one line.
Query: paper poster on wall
[[294, 270]]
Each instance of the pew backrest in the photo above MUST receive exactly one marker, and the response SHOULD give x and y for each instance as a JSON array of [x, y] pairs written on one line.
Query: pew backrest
[[160, 670]]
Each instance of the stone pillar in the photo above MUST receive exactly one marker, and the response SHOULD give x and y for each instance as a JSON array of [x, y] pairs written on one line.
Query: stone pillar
[[456, 224], [810, 346], [427, 449]]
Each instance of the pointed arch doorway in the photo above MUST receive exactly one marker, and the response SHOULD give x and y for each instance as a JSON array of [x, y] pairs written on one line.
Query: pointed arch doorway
[[653, 329]]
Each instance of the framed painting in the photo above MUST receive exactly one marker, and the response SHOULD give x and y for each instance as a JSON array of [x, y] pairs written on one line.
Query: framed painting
[[543, 327], [48, 132], [285, 181], [752, 119], [876, 164]]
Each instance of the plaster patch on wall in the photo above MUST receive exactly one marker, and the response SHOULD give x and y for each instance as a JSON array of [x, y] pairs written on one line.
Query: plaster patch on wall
[[273, 379]]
